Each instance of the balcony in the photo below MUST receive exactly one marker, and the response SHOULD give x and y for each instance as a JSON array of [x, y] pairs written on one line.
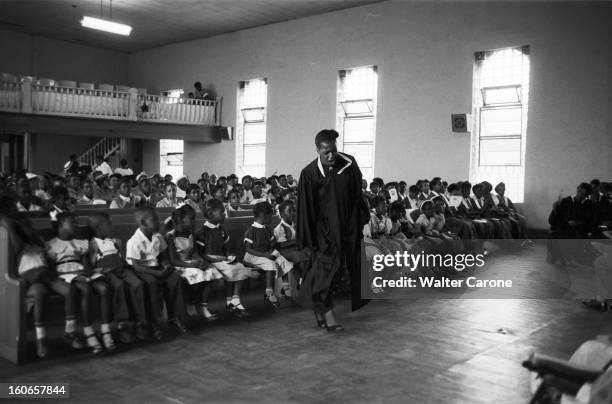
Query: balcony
[[117, 103]]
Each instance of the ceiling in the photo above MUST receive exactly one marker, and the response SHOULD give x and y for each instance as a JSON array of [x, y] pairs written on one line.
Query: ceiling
[[156, 22]]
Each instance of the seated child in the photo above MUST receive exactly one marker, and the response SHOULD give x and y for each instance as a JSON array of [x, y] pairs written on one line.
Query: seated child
[[211, 244], [198, 273], [376, 231], [124, 198], [257, 193], [194, 197], [431, 223], [105, 255], [397, 213], [285, 234], [170, 200], [60, 202], [233, 201], [147, 252], [87, 198], [218, 193], [33, 269], [26, 202], [71, 259], [260, 252]]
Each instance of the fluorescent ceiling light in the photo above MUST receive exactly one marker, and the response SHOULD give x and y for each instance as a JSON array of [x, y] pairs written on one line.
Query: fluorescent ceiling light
[[105, 25]]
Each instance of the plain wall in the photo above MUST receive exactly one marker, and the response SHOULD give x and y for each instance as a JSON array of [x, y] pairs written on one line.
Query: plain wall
[[31, 55], [424, 53]]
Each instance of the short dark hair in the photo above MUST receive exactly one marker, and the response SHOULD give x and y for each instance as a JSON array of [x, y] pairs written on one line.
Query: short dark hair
[[284, 204], [142, 213], [414, 189], [213, 205], [96, 219], [262, 208], [64, 216], [586, 187], [326, 135]]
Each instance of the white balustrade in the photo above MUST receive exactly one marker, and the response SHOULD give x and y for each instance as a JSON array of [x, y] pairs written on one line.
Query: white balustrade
[[66, 98], [159, 108]]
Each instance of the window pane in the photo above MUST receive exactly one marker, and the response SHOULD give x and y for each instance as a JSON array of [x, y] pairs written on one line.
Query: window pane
[[503, 95], [501, 122], [253, 115], [361, 152], [254, 133], [254, 155], [499, 152], [254, 171], [359, 130], [367, 173], [357, 107]]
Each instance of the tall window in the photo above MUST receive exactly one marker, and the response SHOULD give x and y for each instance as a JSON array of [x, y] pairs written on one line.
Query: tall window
[[501, 94], [171, 158], [251, 124], [356, 115]]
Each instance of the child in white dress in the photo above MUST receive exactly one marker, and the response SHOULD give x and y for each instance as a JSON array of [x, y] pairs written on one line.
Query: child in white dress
[[71, 258], [198, 273]]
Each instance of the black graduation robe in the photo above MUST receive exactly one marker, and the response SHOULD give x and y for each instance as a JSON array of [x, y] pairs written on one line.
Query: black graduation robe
[[330, 217]]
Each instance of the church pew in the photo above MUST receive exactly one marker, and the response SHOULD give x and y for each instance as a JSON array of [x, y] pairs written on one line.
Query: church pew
[[15, 305]]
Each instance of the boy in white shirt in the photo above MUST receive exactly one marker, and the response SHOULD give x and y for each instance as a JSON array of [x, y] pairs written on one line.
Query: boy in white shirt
[[147, 252]]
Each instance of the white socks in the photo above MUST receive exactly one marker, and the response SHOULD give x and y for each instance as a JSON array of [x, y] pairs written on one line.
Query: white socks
[[70, 326], [40, 333]]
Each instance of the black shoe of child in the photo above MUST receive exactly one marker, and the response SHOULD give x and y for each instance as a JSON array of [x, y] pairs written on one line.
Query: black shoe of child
[[272, 299], [178, 325], [141, 332], [41, 348], [74, 340], [239, 311], [125, 334], [157, 332], [94, 344]]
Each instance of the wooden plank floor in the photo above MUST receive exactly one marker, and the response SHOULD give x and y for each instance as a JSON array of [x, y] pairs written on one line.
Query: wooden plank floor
[[423, 351]]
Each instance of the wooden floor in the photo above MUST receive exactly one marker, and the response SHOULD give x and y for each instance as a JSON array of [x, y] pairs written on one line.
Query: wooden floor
[[423, 351]]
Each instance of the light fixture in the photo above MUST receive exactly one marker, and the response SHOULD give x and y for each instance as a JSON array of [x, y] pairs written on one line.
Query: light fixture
[[106, 25]]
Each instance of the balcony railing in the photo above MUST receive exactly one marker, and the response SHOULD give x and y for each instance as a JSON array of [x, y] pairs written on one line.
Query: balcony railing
[[47, 97]]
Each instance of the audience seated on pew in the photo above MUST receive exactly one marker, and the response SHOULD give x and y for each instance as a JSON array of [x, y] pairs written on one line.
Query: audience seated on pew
[[87, 195], [105, 255], [257, 193], [197, 273], [285, 234], [33, 268], [124, 198], [70, 257], [261, 252], [194, 198], [211, 244], [169, 198], [233, 201], [26, 202], [145, 195], [147, 252], [102, 189]]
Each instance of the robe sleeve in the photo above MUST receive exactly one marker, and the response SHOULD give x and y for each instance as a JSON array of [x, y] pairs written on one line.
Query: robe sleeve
[[306, 211]]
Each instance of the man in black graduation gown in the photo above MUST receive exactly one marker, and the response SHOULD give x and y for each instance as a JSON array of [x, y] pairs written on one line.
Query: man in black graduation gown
[[330, 218]]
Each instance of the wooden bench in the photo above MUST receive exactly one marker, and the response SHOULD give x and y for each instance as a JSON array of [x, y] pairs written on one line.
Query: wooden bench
[[14, 319]]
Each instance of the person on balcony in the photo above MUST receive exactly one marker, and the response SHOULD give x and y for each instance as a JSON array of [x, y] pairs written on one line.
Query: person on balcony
[[103, 166], [200, 93], [123, 169]]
